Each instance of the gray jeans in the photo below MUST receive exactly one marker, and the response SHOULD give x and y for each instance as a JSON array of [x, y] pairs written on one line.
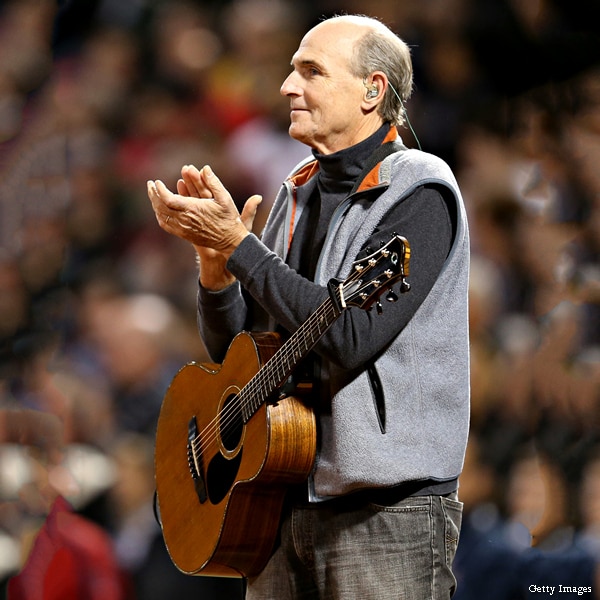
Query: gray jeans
[[402, 551]]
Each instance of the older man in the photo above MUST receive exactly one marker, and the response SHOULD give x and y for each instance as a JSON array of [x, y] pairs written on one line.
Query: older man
[[378, 516]]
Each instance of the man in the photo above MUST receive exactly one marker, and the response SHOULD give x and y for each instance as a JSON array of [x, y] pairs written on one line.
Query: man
[[379, 515]]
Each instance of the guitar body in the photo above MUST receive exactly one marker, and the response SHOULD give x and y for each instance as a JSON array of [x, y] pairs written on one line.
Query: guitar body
[[221, 481]]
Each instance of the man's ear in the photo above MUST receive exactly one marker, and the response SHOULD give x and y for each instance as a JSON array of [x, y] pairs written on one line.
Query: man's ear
[[375, 86]]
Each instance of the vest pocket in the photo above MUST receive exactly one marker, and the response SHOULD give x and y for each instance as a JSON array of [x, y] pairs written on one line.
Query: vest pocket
[[378, 399]]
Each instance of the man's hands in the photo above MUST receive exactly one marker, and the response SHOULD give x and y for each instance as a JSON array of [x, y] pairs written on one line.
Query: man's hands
[[203, 211], [204, 214]]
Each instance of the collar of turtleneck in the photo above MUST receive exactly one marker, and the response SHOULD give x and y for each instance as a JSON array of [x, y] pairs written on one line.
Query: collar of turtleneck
[[339, 171]]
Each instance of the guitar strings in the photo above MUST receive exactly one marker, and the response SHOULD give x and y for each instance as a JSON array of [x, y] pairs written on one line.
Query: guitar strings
[[210, 434], [277, 361]]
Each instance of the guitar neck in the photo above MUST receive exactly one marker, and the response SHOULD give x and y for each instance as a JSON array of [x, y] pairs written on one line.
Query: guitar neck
[[276, 371], [369, 278]]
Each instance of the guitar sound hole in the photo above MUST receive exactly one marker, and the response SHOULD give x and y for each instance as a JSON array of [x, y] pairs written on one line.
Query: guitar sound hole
[[231, 424], [223, 467]]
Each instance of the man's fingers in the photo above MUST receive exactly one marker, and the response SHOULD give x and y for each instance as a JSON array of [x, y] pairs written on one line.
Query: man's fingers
[[219, 192], [193, 180], [151, 189], [183, 189], [158, 193], [163, 198], [162, 190], [154, 197], [249, 211], [163, 201]]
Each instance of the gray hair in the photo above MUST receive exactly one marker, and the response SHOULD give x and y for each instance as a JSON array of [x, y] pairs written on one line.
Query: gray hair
[[380, 49]]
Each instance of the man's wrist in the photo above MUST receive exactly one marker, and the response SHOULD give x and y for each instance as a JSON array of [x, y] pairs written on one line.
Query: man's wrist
[[213, 273], [238, 237]]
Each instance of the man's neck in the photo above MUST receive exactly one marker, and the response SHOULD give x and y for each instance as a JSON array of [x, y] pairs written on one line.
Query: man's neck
[[344, 166]]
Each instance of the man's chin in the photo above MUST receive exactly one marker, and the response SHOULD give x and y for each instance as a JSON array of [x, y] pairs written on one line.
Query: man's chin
[[299, 134]]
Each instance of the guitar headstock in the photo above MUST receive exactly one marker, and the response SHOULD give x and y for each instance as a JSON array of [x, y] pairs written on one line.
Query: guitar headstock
[[374, 275]]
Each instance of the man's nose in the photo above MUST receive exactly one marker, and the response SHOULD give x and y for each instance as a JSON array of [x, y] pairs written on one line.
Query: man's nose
[[289, 86]]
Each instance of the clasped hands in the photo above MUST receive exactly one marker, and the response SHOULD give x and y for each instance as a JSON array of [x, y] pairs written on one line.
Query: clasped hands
[[204, 214]]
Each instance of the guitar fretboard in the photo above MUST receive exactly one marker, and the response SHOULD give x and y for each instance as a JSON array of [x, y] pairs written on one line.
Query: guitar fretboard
[[279, 367]]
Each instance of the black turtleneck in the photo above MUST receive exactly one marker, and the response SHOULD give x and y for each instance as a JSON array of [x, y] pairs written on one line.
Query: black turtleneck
[[337, 175]]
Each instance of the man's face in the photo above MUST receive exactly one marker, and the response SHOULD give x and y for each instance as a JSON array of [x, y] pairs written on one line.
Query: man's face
[[325, 97]]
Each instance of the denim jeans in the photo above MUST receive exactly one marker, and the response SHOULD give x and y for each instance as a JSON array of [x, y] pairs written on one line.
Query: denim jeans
[[401, 551]]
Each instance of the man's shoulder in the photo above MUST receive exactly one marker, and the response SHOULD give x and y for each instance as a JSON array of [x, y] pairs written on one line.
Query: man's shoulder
[[416, 165], [419, 158]]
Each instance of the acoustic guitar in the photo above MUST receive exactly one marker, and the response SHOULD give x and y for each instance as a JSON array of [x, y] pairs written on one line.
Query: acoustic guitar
[[230, 442]]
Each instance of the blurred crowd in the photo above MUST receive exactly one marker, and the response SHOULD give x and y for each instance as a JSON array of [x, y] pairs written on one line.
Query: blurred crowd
[[97, 304]]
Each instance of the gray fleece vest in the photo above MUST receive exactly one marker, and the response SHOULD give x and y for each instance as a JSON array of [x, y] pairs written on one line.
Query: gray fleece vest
[[425, 371]]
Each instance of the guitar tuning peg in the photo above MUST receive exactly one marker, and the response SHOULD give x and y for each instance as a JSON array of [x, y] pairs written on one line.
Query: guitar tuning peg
[[379, 307], [404, 286], [391, 296]]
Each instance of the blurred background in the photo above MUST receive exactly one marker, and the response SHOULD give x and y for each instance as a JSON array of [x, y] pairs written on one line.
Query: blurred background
[[97, 304]]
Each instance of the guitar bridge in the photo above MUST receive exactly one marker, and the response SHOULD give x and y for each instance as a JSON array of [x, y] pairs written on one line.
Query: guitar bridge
[[195, 462]]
